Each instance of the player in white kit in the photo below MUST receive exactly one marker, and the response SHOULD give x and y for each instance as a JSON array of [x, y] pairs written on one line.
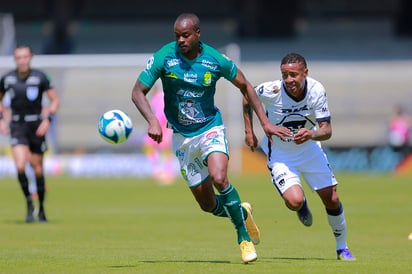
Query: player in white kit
[[299, 103]]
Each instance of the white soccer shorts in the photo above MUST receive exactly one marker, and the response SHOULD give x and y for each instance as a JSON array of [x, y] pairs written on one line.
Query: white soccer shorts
[[287, 166], [192, 153]]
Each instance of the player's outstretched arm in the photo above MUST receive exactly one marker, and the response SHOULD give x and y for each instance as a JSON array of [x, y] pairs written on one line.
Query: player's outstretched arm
[[143, 105], [250, 136], [249, 93]]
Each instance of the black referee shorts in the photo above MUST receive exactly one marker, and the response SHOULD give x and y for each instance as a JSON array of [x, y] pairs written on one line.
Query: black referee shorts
[[24, 133]]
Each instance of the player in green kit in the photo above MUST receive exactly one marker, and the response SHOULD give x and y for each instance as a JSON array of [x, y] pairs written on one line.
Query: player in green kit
[[189, 70]]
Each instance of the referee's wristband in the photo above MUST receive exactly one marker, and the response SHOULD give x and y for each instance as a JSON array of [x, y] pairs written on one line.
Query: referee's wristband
[[50, 117]]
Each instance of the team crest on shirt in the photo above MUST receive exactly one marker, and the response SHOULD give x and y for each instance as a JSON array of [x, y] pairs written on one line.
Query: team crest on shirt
[[32, 93], [275, 89], [207, 78]]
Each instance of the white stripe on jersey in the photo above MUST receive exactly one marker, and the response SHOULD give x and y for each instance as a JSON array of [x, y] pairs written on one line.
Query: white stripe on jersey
[[284, 111]]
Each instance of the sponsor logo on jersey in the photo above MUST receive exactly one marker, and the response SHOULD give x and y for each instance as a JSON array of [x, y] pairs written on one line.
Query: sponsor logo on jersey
[[292, 110], [172, 62], [190, 93], [180, 154], [33, 80], [280, 176], [212, 134], [171, 75], [214, 142], [9, 80], [190, 77], [209, 64], [207, 78]]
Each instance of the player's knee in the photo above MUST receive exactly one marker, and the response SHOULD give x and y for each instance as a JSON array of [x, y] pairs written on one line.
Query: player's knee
[[294, 203], [294, 198], [219, 178], [21, 168]]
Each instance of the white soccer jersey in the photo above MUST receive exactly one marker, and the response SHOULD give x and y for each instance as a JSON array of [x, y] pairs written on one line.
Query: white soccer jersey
[[285, 111]]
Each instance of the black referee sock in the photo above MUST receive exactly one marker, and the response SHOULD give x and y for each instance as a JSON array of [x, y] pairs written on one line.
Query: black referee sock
[[24, 184], [41, 190]]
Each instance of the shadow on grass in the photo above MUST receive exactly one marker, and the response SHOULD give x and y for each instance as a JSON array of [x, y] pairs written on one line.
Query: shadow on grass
[[294, 259], [23, 222], [264, 259], [172, 261]]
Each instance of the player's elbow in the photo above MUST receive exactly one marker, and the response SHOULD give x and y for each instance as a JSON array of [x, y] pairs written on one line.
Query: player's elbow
[[327, 135]]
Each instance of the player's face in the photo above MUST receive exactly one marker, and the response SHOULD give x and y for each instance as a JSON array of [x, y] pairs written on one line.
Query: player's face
[[293, 75], [187, 38], [22, 57]]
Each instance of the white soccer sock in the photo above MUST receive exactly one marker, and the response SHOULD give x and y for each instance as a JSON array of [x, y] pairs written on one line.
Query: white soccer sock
[[338, 225]]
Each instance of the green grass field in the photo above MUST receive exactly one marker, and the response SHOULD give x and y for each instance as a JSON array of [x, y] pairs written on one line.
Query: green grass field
[[136, 226]]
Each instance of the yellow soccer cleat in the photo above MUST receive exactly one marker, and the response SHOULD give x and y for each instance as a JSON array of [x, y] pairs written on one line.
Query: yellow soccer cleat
[[248, 251], [252, 228]]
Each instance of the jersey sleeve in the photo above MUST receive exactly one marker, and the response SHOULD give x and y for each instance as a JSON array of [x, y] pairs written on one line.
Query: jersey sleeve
[[320, 104], [153, 69], [268, 90], [259, 89], [46, 83], [227, 66]]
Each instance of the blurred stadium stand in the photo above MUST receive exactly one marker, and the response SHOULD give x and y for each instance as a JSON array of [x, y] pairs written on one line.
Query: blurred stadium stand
[[358, 48], [86, 26]]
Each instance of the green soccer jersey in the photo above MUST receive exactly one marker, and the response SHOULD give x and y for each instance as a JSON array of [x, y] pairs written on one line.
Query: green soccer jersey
[[189, 86]]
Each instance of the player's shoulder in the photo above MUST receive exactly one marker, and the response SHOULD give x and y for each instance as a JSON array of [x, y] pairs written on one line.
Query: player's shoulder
[[9, 73], [314, 85], [165, 54], [269, 88], [168, 49], [36, 71], [209, 50], [40, 74], [168, 46]]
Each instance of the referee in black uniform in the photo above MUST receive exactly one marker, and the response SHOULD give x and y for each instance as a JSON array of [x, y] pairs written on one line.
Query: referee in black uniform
[[29, 122]]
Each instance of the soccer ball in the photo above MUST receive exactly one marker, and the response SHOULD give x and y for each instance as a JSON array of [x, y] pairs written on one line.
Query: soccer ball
[[115, 126]]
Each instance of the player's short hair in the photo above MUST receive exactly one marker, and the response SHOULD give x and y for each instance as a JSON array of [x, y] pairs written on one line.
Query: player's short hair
[[192, 17], [293, 57]]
